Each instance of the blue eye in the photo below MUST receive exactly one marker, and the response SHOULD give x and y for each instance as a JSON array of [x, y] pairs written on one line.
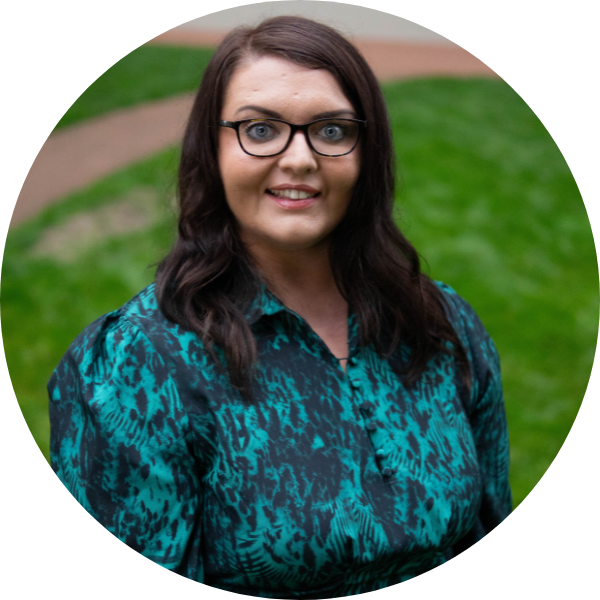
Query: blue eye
[[332, 132], [260, 131]]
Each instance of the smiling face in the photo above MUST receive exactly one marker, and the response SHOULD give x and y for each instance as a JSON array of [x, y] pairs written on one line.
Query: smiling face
[[292, 201]]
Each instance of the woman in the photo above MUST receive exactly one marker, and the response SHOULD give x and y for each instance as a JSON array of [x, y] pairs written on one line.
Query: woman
[[293, 409]]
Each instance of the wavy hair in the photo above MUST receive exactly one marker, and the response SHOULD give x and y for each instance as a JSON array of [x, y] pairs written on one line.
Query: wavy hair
[[208, 280]]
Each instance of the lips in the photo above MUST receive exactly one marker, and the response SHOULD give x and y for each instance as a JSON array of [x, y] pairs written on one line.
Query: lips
[[293, 192], [293, 196]]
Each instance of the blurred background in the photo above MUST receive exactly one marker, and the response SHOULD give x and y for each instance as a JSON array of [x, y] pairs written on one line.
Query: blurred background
[[483, 193]]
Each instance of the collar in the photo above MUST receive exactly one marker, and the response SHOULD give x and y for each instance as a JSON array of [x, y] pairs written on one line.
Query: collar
[[264, 303]]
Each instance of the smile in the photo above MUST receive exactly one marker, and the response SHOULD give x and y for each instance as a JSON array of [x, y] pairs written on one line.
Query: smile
[[291, 194]]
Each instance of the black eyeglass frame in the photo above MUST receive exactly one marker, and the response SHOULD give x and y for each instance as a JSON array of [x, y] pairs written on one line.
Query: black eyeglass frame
[[293, 129]]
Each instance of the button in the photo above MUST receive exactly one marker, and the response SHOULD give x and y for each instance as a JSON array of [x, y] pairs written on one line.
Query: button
[[366, 405], [356, 383], [371, 426], [380, 453], [354, 360], [387, 472]]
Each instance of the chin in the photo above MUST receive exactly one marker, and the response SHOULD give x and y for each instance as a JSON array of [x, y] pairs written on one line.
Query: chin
[[294, 244], [286, 237], [293, 239]]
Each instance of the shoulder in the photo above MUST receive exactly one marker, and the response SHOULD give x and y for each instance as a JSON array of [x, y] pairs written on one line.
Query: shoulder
[[462, 316], [135, 343], [143, 310], [137, 327], [481, 351], [114, 326], [119, 349], [120, 336], [113, 376]]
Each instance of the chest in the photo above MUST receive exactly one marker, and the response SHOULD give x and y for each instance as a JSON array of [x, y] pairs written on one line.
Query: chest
[[323, 469]]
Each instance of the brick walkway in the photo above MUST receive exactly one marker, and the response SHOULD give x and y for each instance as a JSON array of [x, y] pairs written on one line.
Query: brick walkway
[[73, 158]]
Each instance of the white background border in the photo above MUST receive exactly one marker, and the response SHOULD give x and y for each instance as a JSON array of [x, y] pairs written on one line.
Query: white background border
[[53, 50]]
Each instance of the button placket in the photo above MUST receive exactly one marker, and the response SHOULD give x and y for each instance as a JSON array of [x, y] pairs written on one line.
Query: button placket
[[356, 383], [381, 454], [367, 408]]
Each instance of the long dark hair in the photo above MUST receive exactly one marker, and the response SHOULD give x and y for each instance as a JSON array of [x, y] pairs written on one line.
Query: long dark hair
[[208, 279]]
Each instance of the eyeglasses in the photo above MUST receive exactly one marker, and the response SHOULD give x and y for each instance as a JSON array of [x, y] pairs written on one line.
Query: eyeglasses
[[269, 137]]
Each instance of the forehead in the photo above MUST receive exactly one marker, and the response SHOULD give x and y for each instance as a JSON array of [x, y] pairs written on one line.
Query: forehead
[[282, 86]]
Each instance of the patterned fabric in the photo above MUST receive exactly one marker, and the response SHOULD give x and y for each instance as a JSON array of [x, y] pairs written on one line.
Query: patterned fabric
[[327, 484]]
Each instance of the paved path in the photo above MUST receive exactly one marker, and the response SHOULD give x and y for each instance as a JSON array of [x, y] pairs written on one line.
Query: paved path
[[73, 158], [76, 156]]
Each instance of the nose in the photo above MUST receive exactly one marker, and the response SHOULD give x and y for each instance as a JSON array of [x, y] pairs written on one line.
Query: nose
[[298, 156]]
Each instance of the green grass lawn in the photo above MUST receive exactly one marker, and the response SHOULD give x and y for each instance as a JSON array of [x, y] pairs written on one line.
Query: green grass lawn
[[485, 195], [147, 73], [489, 201]]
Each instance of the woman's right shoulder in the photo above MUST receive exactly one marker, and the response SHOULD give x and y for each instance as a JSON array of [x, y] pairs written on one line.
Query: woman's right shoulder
[[118, 327], [136, 334], [116, 382]]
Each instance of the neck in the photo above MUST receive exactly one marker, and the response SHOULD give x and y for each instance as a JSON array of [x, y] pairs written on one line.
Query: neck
[[301, 279], [304, 282]]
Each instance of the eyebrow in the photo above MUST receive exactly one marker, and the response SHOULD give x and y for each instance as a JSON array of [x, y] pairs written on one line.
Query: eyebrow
[[275, 115]]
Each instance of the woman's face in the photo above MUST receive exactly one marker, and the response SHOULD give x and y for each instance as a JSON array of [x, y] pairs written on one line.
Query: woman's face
[[258, 190]]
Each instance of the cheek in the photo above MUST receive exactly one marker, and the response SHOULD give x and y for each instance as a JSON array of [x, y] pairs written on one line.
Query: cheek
[[241, 175], [345, 180]]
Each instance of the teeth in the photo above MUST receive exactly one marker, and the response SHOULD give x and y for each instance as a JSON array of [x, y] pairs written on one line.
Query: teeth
[[291, 194]]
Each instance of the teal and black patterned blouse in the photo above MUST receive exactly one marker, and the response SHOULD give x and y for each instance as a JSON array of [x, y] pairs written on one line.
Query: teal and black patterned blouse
[[326, 484]]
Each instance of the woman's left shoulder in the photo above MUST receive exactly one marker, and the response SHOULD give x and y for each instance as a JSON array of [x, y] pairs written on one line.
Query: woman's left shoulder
[[477, 342], [463, 317]]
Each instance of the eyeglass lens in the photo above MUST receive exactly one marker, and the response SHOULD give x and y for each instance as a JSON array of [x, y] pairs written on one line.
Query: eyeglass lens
[[263, 137]]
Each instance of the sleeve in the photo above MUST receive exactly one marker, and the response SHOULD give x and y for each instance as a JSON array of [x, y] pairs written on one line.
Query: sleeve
[[487, 417], [120, 443]]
